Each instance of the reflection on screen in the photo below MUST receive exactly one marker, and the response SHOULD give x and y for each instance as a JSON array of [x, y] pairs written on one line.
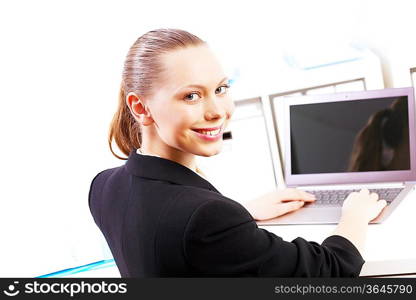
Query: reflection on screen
[[350, 136]]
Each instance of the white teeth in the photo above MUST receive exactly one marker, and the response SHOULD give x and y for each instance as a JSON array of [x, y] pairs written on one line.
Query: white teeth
[[211, 133]]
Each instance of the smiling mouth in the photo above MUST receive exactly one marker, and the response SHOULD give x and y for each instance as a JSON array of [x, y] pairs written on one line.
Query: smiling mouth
[[210, 132]]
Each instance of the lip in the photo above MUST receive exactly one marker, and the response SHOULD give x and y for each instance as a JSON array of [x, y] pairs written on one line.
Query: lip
[[208, 137], [208, 129]]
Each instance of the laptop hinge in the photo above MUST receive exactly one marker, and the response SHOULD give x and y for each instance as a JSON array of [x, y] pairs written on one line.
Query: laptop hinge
[[356, 185]]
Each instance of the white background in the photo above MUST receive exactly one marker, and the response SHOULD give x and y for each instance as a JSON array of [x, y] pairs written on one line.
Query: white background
[[60, 70]]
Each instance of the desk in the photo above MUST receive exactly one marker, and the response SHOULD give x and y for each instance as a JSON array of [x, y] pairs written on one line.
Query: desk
[[392, 240]]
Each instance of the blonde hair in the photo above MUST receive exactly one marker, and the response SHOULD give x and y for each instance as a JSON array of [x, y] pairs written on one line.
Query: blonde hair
[[142, 69]]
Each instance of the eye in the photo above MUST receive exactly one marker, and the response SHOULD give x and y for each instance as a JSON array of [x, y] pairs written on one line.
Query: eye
[[192, 97], [222, 89]]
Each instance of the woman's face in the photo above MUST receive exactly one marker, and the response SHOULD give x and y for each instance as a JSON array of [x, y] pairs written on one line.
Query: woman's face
[[193, 95]]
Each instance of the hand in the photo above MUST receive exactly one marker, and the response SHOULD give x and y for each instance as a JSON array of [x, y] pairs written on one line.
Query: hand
[[277, 203], [363, 206]]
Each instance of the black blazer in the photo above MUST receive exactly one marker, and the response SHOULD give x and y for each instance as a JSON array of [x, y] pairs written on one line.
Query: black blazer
[[161, 219]]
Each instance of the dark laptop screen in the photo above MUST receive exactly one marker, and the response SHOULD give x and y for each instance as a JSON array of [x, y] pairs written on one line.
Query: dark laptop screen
[[350, 136]]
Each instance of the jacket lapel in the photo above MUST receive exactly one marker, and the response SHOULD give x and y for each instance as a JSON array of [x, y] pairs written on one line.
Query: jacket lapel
[[158, 168]]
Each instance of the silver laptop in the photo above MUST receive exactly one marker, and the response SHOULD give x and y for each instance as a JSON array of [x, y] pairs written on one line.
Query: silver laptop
[[339, 143]]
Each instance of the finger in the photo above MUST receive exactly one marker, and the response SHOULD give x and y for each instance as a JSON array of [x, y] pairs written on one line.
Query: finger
[[382, 203], [365, 191], [284, 208], [353, 194], [302, 195], [308, 197], [374, 196], [294, 194], [289, 194]]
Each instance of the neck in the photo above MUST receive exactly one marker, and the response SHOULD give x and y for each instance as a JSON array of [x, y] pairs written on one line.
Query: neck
[[167, 152], [152, 144]]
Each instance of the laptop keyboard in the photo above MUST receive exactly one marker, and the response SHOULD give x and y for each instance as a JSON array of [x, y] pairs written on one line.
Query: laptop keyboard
[[337, 197]]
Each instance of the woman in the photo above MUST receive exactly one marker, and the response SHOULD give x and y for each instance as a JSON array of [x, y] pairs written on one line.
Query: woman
[[383, 143], [158, 213]]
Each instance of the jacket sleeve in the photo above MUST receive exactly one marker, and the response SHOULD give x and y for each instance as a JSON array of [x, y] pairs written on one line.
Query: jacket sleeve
[[94, 196], [222, 239]]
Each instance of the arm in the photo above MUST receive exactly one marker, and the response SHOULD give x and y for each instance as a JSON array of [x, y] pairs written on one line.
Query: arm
[[277, 203], [222, 239], [353, 230], [357, 211]]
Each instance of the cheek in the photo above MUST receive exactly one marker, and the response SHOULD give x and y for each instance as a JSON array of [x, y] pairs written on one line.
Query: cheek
[[230, 107], [179, 122]]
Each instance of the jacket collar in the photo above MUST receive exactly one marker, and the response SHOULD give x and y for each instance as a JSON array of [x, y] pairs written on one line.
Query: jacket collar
[[163, 169]]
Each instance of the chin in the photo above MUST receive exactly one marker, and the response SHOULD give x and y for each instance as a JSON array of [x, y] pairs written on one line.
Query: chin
[[208, 153]]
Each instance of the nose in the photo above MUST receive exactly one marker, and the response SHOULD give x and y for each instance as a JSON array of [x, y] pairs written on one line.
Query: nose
[[214, 108]]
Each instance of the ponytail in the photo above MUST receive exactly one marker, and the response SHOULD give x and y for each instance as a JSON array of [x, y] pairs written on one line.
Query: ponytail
[[368, 146], [124, 129]]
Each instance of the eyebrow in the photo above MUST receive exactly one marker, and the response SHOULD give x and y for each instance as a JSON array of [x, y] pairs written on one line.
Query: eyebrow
[[199, 86]]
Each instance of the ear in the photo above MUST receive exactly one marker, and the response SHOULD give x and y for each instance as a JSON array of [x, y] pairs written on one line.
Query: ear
[[138, 109]]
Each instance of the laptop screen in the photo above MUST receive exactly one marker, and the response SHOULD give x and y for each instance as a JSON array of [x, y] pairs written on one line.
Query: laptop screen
[[350, 136]]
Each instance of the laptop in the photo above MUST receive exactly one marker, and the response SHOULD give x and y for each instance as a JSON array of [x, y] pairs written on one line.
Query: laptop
[[399, 268], [339, 143]]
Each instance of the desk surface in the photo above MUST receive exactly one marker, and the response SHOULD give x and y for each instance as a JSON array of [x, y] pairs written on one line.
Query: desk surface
[[390, 268], [392, 240]]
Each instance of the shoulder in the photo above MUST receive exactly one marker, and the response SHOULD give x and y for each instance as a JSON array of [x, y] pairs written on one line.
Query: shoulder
[[206, 200], [201, 209], [214, 212], [98, 181], [101, 176]]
